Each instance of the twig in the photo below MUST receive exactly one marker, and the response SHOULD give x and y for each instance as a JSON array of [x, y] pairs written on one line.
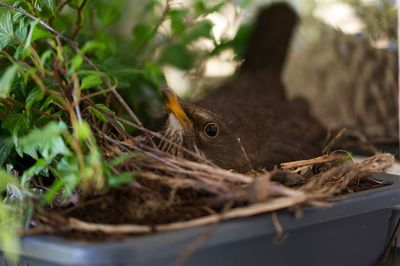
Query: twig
[[313, 161], [280, 232], [245, 154], [274, 204], [79, 23], [333, 141], [13, 101]]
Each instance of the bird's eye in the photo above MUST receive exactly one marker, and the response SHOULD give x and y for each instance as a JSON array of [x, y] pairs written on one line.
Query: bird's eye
[[211, 130]]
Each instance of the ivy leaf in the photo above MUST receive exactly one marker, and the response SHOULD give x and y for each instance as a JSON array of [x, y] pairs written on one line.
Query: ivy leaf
[[50, 5], [6, 29], [16, 123], [6, 146], [6, 80], [21, 31], [47, 141]]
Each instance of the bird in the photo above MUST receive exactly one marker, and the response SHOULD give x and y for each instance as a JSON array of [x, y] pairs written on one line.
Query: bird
[[249, 123]]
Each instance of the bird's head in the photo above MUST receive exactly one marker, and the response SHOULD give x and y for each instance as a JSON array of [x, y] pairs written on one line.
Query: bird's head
[[201, 131]]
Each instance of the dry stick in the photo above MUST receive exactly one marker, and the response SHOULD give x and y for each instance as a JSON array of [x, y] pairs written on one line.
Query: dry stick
[[176, 168], [376, 162], [280, 232], [155, 134], [245, 154], [333, 141], [313, 161], [161, 137], [184, 183], [258, 208], [346, 173], [76, 48], [12, 101], [97, 93], [134, 147]]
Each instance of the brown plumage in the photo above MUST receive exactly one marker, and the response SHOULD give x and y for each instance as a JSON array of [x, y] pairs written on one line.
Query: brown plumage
[[254, 124]]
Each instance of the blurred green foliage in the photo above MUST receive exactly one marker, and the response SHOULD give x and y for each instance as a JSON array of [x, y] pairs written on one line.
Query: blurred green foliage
[[52, 100]]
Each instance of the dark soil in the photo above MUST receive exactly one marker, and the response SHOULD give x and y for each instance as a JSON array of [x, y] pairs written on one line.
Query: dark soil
[[363, 184], [135, 206]]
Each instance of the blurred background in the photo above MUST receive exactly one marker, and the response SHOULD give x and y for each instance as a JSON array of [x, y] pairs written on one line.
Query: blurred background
[[343, 57]]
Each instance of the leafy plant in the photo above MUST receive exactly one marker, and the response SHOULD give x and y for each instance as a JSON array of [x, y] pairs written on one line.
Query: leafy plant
[[66, 77]]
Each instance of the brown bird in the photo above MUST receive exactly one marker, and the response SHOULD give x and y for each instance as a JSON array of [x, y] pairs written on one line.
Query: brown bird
[[249, 123]]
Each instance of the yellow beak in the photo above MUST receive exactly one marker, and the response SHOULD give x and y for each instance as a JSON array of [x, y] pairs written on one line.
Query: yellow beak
[[174, 106]]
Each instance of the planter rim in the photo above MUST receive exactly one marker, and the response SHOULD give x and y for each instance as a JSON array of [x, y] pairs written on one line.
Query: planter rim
[[59, 250]]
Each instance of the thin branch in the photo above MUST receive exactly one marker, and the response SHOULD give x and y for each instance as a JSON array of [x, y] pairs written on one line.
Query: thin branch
[[79, 22]]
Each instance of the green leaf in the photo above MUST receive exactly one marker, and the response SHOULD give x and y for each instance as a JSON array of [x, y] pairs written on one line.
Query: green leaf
[[39, 33], [16, 123], [52, 192], [6, 29], [50, 4], [43, 58], [154, 74], [10, 223], [93, 80], [83, 130], [177, 55], [178, 24], [200, 30], [30, 35], [5, 179], [48, 141], [93, 46], [122, 179], [142, 33], [98, 111], [199, 7], [22, 31], [6, 146], [39, 167], [34, 95], [6, 81], [76, 63], [108, 14], [10, 226]]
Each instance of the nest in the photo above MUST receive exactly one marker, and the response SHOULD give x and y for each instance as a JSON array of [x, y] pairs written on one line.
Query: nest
[[171, 193]]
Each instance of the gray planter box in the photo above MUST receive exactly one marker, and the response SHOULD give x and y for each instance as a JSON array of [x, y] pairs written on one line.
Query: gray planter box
[[354, 232]]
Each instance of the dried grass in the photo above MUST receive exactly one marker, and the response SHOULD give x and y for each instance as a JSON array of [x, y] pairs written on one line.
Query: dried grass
[[248, 194]]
